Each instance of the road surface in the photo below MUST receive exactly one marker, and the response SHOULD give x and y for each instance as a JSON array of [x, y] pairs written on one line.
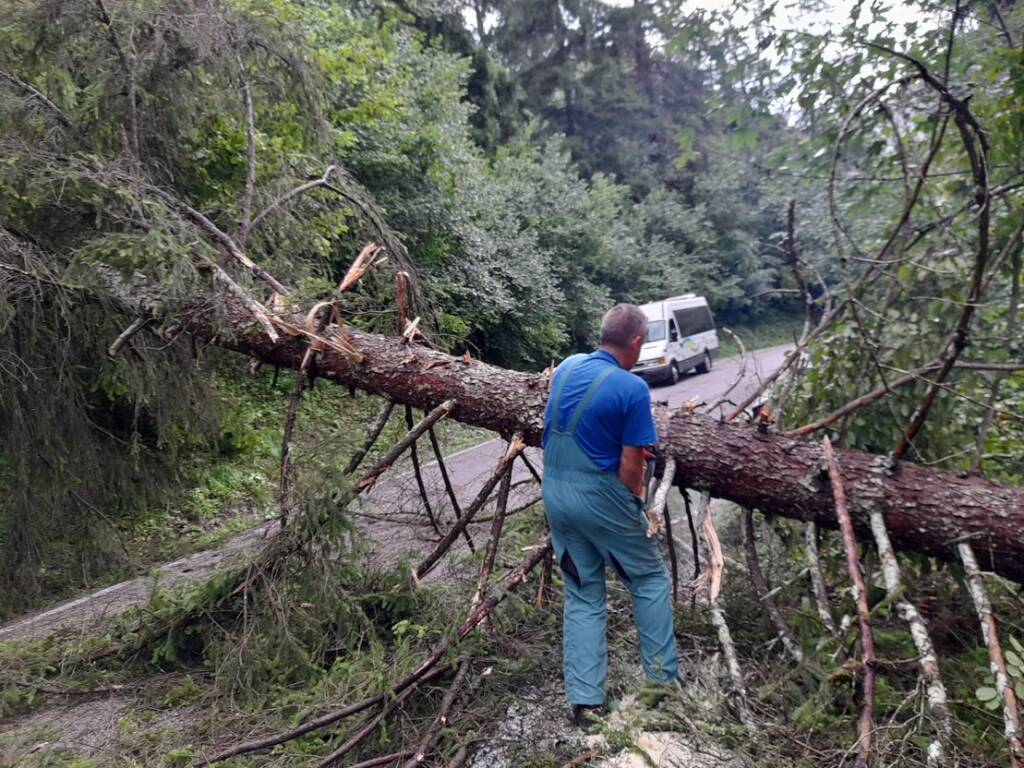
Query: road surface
[[392, 513]]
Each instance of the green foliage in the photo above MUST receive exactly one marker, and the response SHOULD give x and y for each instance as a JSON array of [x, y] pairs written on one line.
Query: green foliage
[[987, 694]]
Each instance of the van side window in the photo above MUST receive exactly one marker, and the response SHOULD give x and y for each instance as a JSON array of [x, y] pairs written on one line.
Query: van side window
[[694, 320], [673, 334]]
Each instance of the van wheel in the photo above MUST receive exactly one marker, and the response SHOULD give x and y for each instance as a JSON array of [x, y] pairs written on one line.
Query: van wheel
[[706, 365], [673, 373]]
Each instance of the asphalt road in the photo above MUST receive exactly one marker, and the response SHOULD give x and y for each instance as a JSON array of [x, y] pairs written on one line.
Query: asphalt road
[[392, 514]]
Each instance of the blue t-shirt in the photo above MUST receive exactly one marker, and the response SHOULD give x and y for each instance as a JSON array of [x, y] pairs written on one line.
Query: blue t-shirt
[[619, 413]]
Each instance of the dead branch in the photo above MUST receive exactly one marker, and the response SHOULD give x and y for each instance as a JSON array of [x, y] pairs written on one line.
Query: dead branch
[[426, 671], [935, 690], [403, 299], [39, 96], [258, 745], [137, 325], [818, 576], [394, 757], [449, 489], [433, 732], [530, 468], [515, 446], [250, 153], [459, 759], [659, 508], [226, 241], [865, 722], [713, 550], [254, 308], [997, 663], [660, 499], [291, 416], [693, 532], [372, 724], [496, 527], [414, 434], [757, 576], [371, 437], [420, 485]]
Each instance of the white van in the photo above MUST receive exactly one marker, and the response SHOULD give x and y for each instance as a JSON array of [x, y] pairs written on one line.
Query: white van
[[680, 336]]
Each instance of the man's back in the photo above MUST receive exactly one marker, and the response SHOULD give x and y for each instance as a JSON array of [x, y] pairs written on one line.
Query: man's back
[[619, 413]]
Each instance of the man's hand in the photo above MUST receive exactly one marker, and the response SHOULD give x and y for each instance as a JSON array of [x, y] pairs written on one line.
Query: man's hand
[[632, 469]]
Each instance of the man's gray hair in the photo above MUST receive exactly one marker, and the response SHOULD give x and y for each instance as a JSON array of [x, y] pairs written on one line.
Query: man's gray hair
[[621, 324]]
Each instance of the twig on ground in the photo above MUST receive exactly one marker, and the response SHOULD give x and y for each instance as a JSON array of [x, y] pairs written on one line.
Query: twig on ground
[[258, 745], [433, 731]]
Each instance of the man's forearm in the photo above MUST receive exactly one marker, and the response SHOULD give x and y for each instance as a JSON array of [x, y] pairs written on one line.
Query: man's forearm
[[631, 469]]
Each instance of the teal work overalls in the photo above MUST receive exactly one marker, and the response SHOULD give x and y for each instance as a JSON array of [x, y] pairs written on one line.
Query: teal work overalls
[[595, 520]]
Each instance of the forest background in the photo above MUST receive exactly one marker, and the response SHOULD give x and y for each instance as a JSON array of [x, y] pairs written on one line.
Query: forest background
[[573, 156]]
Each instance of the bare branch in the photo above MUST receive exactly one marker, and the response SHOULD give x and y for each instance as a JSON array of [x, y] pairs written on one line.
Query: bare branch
[[449, 489], [713, 551], [817, 576], [368, 480], [420, 485], [371, 437], [440, 720], [35, 93], [785, 633], [865, 721], [137, 325], [250, 155], [515, 446], [497, 524], [997, 663], [935, 690]]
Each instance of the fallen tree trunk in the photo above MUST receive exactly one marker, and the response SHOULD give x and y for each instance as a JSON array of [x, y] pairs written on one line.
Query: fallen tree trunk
[[926, 510]]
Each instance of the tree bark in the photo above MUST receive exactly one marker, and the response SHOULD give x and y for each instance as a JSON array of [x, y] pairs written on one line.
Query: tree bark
[[926, 510]]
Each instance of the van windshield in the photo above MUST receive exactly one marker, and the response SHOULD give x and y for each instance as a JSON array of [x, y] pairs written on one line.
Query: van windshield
[[656, 330]]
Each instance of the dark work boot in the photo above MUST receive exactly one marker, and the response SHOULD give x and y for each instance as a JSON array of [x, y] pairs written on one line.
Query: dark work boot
[[585, 716]]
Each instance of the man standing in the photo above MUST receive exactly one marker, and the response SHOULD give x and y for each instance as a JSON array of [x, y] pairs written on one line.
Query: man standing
[[597, 423]]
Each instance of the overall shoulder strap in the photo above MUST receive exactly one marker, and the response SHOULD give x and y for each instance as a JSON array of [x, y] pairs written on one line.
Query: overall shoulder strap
[[556, 395], [591, 391]]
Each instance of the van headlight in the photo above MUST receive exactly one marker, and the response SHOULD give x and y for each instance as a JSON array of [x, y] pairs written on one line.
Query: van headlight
[[662, 360]]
